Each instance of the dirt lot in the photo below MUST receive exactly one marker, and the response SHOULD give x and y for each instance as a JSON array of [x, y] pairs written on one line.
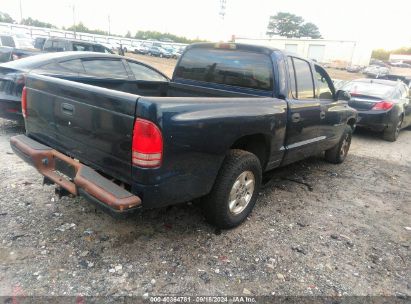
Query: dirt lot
[[317, 229]]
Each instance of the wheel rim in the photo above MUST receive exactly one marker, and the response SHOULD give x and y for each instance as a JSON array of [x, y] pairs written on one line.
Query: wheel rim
[[241, 192], [345, 146], [398, 128]]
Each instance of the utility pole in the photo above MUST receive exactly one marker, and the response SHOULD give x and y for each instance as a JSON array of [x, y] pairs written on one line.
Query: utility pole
[[109, 25], [21, 13], [223, 5], [74, 21]]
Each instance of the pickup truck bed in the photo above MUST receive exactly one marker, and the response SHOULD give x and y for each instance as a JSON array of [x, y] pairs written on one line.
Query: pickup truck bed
[[190, 138]]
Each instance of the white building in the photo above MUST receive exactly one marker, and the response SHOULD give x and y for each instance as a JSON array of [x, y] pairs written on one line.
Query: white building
[[337, 52]]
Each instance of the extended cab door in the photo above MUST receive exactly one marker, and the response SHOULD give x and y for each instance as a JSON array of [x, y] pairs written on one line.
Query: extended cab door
[[146, 81], [304, 112], [332, 123]]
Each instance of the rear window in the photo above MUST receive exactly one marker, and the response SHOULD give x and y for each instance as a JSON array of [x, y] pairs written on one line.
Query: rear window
[[369, 89], [229, 67]]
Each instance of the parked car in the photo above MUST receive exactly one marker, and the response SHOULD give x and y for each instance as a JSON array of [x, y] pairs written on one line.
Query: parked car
[[14, 47], [354, 68], [140, 49], [338, 83], [39, 42], [104, 70], [400, 64], [210, 133], [158, 52], [382, 105], [66, 45], [16, 41], [375, 71]]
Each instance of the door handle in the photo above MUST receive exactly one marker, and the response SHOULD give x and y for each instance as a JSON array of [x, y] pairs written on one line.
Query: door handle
[[67, 108], [296, 117], [322, 114]]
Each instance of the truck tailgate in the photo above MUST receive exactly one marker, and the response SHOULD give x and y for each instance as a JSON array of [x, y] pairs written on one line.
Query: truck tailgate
[[89, 123]]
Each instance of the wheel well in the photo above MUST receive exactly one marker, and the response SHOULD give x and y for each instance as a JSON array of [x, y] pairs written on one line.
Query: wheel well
[[351, 123], [258, 144]]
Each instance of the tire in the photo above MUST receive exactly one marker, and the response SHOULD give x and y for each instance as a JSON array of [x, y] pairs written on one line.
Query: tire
[[239, 179], [392, 133], [338, 153]]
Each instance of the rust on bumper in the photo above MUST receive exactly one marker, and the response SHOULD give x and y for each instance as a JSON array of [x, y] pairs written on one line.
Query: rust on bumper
[[73, 176]]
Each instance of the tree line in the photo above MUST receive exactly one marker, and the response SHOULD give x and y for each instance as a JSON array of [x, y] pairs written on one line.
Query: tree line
[[80, 27]]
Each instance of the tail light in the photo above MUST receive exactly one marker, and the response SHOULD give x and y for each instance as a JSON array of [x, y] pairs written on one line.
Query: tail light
[[24, 102], [147, 146], [383, 105]]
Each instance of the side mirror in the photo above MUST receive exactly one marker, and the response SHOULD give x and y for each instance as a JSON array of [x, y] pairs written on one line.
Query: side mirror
[[343, 95]]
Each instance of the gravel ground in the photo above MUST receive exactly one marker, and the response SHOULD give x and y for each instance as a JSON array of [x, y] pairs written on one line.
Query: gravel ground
[[317, 229]]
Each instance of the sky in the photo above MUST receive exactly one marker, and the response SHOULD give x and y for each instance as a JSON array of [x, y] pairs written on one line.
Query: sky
[[371, 22]]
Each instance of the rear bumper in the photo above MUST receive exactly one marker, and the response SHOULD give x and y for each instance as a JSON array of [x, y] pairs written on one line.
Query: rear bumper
[[76, 178], [373, 120]]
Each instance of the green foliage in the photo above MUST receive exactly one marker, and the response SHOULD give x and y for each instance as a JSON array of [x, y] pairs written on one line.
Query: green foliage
[[309, 30], [384, 55], [403, 50], [34, 22], [80, 27], [4, 17], [164, 36], [291, 26], [380, 54], [284, 24]]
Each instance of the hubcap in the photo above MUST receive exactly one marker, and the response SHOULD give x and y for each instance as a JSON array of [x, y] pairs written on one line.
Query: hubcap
[[345, 146], [241, 192], [398, 128]]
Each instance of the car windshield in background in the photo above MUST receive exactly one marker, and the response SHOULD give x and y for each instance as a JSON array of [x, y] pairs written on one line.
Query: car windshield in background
[[369, 89], [236, 68]]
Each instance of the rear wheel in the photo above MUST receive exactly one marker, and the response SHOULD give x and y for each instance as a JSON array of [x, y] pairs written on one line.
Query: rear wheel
[[392, 133], [235, 191], [339, 152]]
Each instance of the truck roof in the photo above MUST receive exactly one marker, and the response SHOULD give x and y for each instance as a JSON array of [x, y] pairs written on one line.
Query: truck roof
[[235, 46]]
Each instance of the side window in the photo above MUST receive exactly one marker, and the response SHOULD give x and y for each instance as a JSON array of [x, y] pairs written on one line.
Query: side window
[[73, 65], [142, 72], [303, 75], [293, 88], [70, 67], [324, 83], [105, 68], [7, 41], [82, 47]]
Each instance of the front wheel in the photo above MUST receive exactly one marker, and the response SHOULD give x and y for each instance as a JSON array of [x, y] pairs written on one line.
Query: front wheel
[[339, 152], [235, 191]]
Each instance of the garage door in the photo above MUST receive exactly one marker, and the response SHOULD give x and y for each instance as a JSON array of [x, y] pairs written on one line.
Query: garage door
[[316, 52], [293, 48]]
